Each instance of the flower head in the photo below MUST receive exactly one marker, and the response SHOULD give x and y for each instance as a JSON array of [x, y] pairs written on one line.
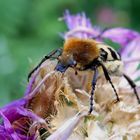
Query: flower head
[[56, 105]]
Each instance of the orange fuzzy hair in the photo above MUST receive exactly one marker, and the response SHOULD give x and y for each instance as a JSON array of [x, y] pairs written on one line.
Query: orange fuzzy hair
[[83, 50]]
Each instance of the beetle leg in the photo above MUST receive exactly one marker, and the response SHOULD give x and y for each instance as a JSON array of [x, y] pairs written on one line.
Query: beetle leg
[[93, 89], [109, 79], [133, 86]]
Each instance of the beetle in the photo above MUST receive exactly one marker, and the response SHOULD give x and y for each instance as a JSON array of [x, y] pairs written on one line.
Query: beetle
[[89, 54]]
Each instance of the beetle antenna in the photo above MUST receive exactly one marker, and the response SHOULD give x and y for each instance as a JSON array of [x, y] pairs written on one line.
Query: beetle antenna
[[50, 55], [101, 33]]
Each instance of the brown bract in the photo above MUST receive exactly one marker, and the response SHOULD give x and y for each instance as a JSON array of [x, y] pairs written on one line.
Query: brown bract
[[62, 96]]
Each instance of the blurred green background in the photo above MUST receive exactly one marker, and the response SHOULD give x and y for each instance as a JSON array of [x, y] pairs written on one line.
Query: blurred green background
[[29, 30]]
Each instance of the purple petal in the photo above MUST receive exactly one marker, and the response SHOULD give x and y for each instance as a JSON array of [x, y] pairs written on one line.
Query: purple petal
[[121, 35], [130, 48], [5, 136], [9, 128], [131, 51], [30, 114], [132, 60], [79, 26], [20, 102], [14, 114]]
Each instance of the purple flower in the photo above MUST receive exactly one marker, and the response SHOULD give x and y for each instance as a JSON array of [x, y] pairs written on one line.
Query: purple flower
[[19, 122], [79, 26]]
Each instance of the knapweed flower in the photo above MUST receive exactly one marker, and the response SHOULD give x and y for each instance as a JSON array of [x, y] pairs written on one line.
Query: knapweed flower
[[55, 105], [80, 26]]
